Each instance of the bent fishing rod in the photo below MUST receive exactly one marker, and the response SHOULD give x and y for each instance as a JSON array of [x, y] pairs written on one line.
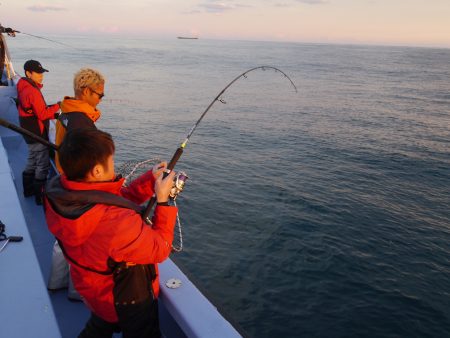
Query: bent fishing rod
[[176, 156], [23, 131]]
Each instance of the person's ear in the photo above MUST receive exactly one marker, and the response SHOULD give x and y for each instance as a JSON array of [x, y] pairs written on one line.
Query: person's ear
[[97, 172], [28, 73], [85, 92]]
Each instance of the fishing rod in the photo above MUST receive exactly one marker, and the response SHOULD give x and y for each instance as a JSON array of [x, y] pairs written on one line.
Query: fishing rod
[[12, 32], [22, 131], [176, 156]]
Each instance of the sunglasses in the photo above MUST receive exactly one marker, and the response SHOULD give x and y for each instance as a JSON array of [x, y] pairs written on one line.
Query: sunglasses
[[100, 95]]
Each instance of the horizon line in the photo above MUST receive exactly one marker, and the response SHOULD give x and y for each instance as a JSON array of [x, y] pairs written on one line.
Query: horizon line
[[199, 38]]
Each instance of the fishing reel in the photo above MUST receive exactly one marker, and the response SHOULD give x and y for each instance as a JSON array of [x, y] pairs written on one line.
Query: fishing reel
[[178, 184]]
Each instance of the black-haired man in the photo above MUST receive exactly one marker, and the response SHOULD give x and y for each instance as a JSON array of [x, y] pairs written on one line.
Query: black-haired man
[[112, 252], [34, 115]]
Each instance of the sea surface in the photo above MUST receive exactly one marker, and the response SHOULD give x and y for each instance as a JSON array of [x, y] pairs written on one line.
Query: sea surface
[[322, 213]]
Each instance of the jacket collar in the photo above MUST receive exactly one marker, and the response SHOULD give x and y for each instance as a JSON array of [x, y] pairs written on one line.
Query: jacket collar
[[72, 199], [71, 104], [111, 186], [31, 82]]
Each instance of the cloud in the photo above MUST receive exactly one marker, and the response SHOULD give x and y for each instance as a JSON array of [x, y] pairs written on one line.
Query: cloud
[[193, 11], [215, 6], [283, 5], [46, 8], [312, 2], [293, 3]]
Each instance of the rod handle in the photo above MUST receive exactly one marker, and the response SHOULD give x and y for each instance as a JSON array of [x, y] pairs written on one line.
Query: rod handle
[[174, 159], [170, 167]]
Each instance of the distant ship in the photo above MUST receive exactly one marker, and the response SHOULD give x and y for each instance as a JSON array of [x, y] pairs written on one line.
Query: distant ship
[[187, 37]]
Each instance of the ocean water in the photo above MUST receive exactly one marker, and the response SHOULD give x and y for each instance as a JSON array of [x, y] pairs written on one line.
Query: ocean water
[[322, 213]]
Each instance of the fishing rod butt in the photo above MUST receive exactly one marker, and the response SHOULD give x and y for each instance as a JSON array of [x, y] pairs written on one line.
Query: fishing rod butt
[[147, 210], [23, 131]]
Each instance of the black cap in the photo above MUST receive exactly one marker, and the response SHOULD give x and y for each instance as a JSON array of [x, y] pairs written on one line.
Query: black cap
[[34, 66]]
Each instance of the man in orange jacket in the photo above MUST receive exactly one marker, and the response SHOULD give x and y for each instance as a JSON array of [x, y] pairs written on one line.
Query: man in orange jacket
[[80, 111], [112, 252], [34, 115]]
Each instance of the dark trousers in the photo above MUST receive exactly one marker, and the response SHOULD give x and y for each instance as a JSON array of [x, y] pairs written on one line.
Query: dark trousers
[[38, 161], [135, 321]]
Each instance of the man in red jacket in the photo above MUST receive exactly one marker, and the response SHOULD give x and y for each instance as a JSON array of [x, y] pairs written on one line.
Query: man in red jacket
[[112, 252], [34, 115]]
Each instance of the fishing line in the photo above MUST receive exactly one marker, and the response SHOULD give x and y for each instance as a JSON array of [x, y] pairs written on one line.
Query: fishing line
[[133, 169], [180, 149], [40, 37]]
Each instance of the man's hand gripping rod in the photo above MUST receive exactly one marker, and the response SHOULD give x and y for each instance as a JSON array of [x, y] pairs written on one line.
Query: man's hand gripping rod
[[169, 168]]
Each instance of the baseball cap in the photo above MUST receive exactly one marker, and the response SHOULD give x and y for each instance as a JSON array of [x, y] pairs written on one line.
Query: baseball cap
[[34, 66]]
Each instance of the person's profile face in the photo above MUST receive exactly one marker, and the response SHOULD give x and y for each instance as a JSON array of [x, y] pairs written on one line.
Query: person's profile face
[[109, 174], [36, 77], [94, 94]]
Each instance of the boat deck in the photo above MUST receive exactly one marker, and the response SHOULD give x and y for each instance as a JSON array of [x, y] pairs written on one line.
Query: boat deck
[[36, 236]]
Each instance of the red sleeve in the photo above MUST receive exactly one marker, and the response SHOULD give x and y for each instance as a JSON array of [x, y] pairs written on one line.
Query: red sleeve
[[35, 101], [141, 189], [139, 243]]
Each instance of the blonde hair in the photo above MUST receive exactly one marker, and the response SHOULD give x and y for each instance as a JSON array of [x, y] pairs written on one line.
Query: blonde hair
[[86, 77]]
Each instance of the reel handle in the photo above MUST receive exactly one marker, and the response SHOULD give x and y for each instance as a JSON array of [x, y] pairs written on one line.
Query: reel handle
[[170, 167]]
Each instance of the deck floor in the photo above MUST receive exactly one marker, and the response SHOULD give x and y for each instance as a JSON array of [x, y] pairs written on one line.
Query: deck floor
[[71, 316]]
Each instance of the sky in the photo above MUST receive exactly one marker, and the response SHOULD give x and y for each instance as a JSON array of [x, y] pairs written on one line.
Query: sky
[[381, 22]]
